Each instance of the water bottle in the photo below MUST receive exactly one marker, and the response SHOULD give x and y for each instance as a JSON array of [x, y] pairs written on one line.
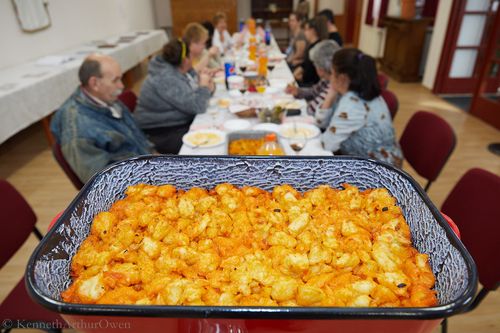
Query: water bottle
[[242, 25], [267, 35]]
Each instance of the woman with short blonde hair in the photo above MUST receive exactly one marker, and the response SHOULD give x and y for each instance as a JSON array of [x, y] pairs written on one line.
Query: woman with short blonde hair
[[196, 36]]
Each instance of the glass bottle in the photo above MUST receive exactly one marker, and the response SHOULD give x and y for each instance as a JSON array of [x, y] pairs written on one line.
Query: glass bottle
[[270, 146]]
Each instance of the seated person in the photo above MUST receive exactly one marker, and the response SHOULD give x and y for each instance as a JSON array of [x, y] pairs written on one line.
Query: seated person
[[333, 32], [321, 55], [210, 29], [172, 94], [296, 50], [196, 36], [361, 124], [221, 38], [92, 127], [315, 31]]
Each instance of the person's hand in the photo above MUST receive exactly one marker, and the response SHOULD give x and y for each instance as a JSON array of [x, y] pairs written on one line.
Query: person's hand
[[298, 73], [213, 51], [292, 89], [205, 79], [330, 97]]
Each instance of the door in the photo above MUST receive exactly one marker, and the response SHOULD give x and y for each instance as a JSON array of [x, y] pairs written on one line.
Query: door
[[469, 29], [187, 11], [486, 105]]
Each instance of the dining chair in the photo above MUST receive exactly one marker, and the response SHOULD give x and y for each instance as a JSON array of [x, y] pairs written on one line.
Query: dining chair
[[473, 204], [18, 220], [383, 80], [129, 98], [427, 142], [392, 102], [61, 160]]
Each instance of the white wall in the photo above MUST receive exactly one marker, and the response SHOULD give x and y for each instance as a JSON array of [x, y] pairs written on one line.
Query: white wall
[[337, 6], [244, 10], [437, 43], [163, 13], [73, 22]]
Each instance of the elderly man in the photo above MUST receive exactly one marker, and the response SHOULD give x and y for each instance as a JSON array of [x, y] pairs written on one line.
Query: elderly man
[[92, 127]]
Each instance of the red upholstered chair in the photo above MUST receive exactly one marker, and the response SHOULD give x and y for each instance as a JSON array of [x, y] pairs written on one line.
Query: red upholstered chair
[[18, 222], [392, 102], [473, 204], [427, 142], [383, 80], [61, 160], [129, 98]]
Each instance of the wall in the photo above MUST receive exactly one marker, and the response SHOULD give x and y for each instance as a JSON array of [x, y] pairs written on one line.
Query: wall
[[437, 43], [163, 13], [244, 9], [73, 22], [337, 6]]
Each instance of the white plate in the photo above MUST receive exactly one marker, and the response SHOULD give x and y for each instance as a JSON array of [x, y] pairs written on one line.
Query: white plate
[[291, 130], [236, 125], [204, 138], [267, 127]]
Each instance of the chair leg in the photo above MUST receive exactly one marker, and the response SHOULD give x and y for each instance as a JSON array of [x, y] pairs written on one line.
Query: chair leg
[[477, 300], [427, 186], [37, 233], [444, 325]]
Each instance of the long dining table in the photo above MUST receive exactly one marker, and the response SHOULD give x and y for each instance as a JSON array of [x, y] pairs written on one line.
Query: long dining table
[[31, 91], [281, 73]]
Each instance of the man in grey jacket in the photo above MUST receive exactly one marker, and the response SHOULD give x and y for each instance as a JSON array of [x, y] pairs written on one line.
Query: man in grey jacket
[[172, 94]]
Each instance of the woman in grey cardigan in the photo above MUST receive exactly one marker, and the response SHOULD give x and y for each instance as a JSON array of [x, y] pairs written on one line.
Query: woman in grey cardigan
[[171, 96]]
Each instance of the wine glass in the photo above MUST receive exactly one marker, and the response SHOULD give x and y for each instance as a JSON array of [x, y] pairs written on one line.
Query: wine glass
[[213, 111], [297, 141]]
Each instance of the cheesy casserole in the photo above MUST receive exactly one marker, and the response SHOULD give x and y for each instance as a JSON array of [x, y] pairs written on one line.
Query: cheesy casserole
[[245, 246]]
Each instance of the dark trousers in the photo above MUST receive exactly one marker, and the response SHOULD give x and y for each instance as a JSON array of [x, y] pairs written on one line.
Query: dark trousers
[[167, 140]]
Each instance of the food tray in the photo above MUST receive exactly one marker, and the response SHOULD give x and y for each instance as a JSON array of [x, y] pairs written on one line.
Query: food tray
[[249, 134], [456, 277]]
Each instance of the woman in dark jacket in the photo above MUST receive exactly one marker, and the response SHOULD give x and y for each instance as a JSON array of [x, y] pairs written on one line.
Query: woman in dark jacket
[[171, 96], [315, 31]]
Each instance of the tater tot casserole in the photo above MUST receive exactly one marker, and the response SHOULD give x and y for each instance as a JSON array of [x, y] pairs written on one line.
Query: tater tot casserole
[[233, 246]]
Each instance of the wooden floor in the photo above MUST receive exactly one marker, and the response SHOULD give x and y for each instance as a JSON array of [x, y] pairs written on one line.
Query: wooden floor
[[26, 161]]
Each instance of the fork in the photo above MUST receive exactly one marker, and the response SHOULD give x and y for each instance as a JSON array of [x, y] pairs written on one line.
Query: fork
[[201, 144]]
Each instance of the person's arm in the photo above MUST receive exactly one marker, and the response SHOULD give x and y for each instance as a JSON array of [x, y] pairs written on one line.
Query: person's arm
[[346, 120], [205, 59], [300, 51], [86, 158], [183, 98], [298, 73]]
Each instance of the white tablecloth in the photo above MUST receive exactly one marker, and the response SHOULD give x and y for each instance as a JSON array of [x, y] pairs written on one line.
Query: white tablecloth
[[31, 91]]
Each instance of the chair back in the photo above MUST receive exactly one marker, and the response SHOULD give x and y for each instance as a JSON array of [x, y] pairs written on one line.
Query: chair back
[[392, 102], [474, 205], [427, 142], [18, 220], [129, 98], [383, 80], [61, 160]]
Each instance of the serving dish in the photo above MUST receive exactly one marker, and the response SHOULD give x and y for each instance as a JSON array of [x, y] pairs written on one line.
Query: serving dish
[[456, 277]]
